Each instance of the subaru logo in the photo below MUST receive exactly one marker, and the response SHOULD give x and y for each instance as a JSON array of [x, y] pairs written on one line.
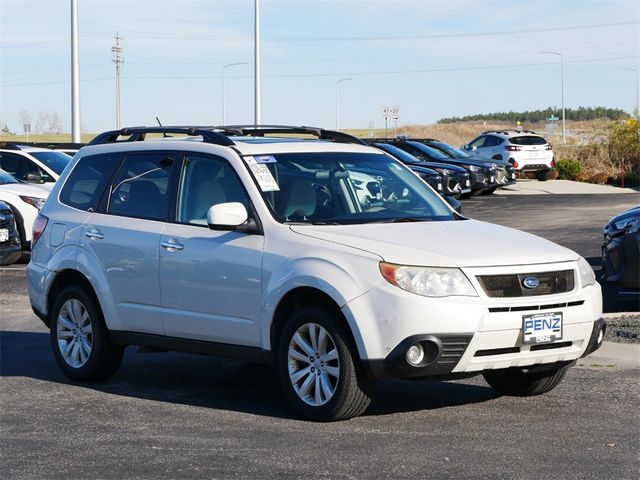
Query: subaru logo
[[531, 282]]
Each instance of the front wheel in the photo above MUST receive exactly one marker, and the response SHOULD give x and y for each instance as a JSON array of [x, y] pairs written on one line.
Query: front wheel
[[319, 371], [489, 191], [524, 382], [79, 337]]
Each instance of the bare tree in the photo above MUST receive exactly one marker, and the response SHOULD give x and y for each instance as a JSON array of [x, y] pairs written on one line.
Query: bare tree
[[42, 122], [25, 118], [55, 123]]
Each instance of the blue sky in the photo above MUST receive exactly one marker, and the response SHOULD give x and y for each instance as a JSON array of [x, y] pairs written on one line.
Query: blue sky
[[433, 59]]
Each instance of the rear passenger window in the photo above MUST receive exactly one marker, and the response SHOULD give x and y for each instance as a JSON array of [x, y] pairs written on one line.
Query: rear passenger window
[[140, 188], [86, 182]]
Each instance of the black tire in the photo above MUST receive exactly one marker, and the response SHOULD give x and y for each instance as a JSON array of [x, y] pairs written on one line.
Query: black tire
[[489, 191], [104, 357], [352, 393], [10, 258], [520, 382], [543, 175]]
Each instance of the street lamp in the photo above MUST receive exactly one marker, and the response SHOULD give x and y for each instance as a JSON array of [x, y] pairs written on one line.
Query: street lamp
[[337, 107], [223, 69], [564, 130], [257, 115], [635, 70]]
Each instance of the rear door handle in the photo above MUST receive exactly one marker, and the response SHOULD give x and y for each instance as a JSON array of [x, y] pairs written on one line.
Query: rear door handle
[[94, 235], [172, 246]]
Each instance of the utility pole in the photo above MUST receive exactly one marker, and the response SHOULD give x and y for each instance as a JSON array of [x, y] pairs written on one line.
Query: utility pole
[[75, 75], [256, 58], [118, 61]]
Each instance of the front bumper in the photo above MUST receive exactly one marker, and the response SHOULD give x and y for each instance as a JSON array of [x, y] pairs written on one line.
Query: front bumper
[[620, 260], [456, 184], [482, 180], [463, 336]]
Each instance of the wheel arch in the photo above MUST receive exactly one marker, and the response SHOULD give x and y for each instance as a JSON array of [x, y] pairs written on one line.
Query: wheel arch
[[298, 298], [63, 279]]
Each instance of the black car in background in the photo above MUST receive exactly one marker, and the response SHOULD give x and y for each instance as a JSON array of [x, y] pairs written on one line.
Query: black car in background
[[620, 250], [505, 173], [455, 180], [481, 175], [10, 244]]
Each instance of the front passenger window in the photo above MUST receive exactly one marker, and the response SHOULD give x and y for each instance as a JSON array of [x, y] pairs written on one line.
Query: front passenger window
[[206, 181], [478, 142]]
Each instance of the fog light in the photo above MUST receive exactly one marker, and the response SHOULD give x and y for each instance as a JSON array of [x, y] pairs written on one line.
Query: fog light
[[600, 337], [415, 354]]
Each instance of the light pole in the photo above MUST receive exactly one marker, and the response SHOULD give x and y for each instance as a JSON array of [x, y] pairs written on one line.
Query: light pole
[[257, 120], [75, 75], [564, 130], [337, 107], [635, 70], [223, 69]]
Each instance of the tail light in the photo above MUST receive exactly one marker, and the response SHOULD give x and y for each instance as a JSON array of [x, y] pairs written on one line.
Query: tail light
[[548, 147], [553, 164], [513, 148], [514, 163], [39, 224]]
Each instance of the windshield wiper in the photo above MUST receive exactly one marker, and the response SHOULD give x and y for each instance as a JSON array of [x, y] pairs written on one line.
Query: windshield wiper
[[402, 220]]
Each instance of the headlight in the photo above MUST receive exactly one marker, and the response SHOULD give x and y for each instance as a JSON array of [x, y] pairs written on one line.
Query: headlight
[[494, 166], [629, 225], [587, 277], [473, 168], [428, 281], [34, 201]]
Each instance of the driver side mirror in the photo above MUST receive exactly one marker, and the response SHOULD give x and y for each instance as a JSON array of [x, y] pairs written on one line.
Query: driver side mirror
[[34, 178], [454, 203], [374, 188]]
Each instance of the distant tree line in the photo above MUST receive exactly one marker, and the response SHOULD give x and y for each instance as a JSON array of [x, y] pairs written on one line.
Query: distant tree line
[[581, 113]]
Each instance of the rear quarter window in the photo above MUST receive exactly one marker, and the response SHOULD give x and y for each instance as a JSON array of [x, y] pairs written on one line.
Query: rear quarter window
[[88, 179], [528, 140]]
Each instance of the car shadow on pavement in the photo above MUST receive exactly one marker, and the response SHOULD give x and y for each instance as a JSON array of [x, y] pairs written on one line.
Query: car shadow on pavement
[[216, 383]]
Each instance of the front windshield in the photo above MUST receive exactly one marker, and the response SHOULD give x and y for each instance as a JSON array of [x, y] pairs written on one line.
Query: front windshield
[[430, 152], [6, 178], [333, 188], [56, 161], [451, 151], [396, 152]]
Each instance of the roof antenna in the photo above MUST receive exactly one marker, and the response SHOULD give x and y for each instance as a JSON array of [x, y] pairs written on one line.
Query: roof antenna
[[164, 134]]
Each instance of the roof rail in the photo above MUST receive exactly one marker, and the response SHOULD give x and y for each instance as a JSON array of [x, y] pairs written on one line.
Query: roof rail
[[59, 145], [261, 130], [10, 145], [219, 135], [136, 134]]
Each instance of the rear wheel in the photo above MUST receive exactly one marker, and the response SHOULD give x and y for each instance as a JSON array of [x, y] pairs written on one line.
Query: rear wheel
[[525, 382], [79, 337], [543, 175], [319, 371]]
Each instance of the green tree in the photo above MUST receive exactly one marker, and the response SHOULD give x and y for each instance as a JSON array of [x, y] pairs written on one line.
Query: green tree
[[624, 143]]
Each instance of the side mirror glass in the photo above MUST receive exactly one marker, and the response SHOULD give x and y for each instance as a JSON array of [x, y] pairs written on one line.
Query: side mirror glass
[[455, 204], [227, 216]]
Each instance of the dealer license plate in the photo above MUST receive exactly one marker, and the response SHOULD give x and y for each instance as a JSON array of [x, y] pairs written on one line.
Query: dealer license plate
[[541, 328], [4, 234]]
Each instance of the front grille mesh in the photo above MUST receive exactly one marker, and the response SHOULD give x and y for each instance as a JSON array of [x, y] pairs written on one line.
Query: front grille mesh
[[511, 285]]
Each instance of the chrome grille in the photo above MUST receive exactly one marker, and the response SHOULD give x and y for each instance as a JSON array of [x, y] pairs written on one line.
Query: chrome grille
[[511, 285]]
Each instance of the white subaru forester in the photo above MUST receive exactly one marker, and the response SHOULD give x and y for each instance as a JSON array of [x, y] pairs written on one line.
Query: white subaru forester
[[324, 257]]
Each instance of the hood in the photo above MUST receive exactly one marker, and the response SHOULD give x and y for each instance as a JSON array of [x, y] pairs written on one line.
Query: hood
[[632, 212], [27, 189], [428, 164], [464, 243]]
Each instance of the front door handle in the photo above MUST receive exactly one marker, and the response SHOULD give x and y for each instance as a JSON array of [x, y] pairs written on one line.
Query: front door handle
[[94, 235], [172, 246]]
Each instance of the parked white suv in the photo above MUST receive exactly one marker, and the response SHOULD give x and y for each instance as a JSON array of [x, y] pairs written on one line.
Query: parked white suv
[[32, 164], [236, 243], [526, 151], [25, 201]]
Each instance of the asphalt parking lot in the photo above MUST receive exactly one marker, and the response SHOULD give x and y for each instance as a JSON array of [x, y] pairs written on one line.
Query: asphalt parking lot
[[183, 416]]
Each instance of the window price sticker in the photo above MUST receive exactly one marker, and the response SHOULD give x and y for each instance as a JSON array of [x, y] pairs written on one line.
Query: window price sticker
[[265, 180]]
